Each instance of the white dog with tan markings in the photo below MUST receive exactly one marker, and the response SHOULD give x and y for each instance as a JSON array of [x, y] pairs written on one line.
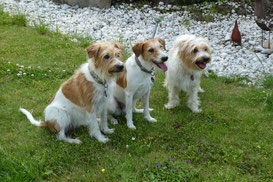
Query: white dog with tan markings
[[137, 79], [187, 60], [85, 95]]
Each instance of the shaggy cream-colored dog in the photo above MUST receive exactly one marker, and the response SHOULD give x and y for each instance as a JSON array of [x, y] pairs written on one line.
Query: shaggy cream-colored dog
[[187, 60]]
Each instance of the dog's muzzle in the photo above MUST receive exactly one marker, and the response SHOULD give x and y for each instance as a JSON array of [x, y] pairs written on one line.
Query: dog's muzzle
[[202, 64], [117, 68], [164, 58], [206, 59], [162, 65]]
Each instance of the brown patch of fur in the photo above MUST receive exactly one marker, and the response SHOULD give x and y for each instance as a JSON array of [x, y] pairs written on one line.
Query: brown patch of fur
[[138, 49], [122, 79], [162, 42], [80, 91], [52, 125]]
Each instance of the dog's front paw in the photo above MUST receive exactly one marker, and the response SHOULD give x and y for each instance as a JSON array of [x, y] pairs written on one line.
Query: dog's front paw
[[138, 110], [77, 141], [114, 121], [101, 138], [169, 106], [108, 130], [196, 110], [201, 90], [131, 126], [151, 119], [141, 110]]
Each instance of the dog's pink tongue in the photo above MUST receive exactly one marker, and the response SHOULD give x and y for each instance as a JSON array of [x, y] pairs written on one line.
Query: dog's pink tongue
[[163, 66], [202, 65]]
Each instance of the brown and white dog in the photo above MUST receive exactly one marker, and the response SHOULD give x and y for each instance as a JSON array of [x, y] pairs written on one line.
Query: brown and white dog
[[187, 59], [137, 79], [84, 96]]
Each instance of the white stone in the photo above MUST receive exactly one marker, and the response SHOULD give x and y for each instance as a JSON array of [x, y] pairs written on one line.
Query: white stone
[[131, 25], [223, 55]]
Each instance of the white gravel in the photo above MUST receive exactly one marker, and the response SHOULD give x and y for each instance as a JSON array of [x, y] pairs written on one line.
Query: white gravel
[[130, 25]]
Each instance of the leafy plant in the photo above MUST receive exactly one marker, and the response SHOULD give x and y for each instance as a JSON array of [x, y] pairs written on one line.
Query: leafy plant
[[41, 27]]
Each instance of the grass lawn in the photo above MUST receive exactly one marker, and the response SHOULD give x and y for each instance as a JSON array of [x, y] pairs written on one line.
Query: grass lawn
[[230, 140]]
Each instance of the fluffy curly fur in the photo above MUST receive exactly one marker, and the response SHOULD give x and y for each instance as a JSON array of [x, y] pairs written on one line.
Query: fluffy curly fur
[[187, 59]]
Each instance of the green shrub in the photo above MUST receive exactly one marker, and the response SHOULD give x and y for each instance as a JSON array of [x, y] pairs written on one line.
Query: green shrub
[[270, 102], [41, 28], [268, 81], [19, 19], [7, 19]]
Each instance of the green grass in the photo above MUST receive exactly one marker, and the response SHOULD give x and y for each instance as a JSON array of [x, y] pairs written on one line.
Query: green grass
[[231, 140]]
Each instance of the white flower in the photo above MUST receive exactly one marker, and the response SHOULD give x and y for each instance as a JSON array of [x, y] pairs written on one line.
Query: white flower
[[29, 67], [17, 64], [74, 40], [8, 62], [63, 70], [8, 70], [133, 138], [21, 66], [18, 74], [49, 71], [38, 66], [127, 146], [32, 74], [24, 74]]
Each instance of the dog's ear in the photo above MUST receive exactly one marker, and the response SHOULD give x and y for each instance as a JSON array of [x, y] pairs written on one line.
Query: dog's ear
[[93, 50], [162, 42], [119, 46], [138, 49]]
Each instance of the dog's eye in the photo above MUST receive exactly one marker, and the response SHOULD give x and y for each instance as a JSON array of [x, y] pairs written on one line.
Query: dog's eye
[[205, 49], [161, 46], [118, 55], [106, 56], [195, 50], [151, 50]]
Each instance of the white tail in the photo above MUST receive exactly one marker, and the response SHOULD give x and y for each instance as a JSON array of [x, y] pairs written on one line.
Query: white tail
[[30, 117]]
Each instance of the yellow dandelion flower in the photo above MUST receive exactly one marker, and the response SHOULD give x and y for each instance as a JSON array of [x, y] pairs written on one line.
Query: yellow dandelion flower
[[102, 170]]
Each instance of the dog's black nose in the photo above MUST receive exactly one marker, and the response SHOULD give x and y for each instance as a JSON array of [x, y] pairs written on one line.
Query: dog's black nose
[[206, 59], [165, 58], [119, 67]]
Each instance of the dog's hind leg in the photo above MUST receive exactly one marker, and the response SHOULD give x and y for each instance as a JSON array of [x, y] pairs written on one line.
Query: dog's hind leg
[[112, 119], [63, 119], [62, 137]]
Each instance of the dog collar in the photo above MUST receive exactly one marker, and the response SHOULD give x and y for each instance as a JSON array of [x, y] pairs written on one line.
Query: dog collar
[[99, 80], [152, 71]]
